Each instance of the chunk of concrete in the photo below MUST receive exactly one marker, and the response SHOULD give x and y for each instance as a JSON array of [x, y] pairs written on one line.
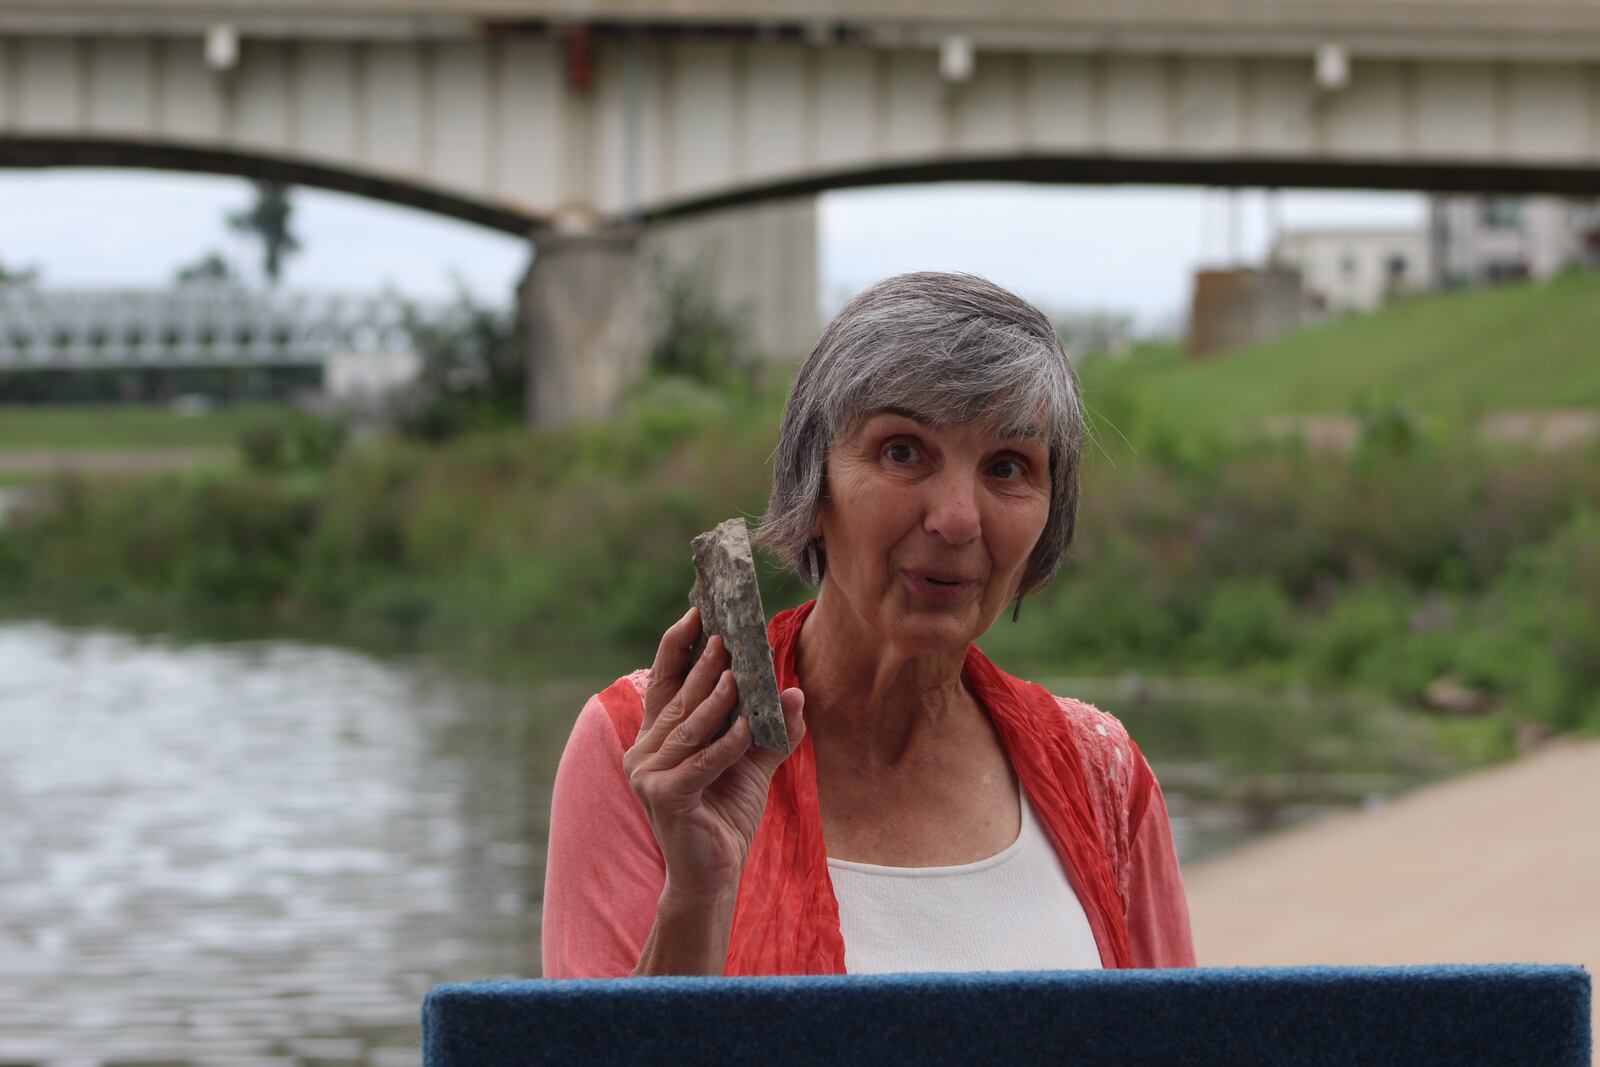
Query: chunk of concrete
[[729, 600]]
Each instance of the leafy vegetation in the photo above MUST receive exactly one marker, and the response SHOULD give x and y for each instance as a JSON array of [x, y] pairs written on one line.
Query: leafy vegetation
[[473, 375], [1416, 566]]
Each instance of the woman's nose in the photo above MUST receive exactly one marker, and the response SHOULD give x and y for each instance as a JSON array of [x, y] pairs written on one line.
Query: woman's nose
[[952, 507]]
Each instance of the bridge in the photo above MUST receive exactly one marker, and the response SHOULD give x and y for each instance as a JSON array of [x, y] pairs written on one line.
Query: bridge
[[358, 344], [577, 122]]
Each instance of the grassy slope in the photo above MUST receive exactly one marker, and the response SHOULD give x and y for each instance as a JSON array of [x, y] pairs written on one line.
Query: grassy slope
[[1454, 355], [117, 427]]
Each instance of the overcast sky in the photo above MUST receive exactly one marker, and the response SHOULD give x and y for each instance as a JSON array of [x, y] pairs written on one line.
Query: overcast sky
[[1117, 248]]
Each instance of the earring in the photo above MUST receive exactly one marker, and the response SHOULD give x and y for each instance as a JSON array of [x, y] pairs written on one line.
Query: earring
[[813, 565], [1016, 611]]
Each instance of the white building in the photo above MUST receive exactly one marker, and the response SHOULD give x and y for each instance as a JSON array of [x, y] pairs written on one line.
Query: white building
[[1467, 240], [1356, 269], [1486, 239]]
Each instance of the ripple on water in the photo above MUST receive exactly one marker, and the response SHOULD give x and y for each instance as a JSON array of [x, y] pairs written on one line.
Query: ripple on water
[[261, 853]]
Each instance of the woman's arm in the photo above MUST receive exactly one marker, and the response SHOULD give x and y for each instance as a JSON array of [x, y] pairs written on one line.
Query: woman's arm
[[608, 912], [688, 937], [648, 835], [1158, 910], [603, 873]]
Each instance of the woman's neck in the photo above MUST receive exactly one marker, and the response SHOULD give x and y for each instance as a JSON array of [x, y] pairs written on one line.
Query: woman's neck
[[868, 697]]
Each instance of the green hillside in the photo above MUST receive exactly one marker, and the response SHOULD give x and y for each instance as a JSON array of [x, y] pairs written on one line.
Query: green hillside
[[1450, 357]]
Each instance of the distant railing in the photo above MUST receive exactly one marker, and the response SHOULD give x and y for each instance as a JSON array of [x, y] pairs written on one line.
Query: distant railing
[[192, 326]]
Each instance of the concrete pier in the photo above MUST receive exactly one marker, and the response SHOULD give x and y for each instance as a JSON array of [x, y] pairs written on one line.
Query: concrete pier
[[580, 310], [591, 304]]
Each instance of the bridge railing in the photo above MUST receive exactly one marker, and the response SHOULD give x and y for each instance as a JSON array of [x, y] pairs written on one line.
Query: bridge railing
[[192, 325]]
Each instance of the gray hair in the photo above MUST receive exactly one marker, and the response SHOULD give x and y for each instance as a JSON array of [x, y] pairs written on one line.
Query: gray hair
[[954, 348]]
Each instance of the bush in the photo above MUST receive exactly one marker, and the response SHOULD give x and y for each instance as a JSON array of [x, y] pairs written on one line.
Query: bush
[[1245, 623], [1551, 600], [1383, 577], [473, 374], [1362, 625], [279, 441], [696, 337]]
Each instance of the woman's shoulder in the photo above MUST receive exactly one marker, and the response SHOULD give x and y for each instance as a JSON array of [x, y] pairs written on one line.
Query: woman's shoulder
[[1099, 730], [620, 706], [1111, 758]]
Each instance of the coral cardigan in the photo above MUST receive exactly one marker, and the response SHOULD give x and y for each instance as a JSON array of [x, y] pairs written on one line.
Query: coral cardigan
[[1097, 798]]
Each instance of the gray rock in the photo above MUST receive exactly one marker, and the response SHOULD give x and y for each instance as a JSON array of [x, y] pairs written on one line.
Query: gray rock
[[729, 600]]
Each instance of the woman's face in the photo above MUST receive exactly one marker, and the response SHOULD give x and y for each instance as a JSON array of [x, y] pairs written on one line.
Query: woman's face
[[928, 528]]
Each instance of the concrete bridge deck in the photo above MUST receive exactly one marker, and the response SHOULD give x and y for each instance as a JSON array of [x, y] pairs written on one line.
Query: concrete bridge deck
[[1509, 25]]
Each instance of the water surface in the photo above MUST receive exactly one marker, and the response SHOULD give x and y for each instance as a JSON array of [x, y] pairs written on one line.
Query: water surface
[[267, 850], [263, 854]]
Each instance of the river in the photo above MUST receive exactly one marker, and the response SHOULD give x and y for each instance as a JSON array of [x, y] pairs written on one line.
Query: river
[[262, 854]]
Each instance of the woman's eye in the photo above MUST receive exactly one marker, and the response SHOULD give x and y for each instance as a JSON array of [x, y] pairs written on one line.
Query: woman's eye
[[900, 452], [1008, 469]]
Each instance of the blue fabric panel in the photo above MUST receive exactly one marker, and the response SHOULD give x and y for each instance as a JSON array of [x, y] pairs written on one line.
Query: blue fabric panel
[[1450, 1016]]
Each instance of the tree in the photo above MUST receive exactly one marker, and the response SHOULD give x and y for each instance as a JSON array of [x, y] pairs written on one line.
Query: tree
[[15, 276], [268, 220], [473, 375], [210, 268], [695, 336]]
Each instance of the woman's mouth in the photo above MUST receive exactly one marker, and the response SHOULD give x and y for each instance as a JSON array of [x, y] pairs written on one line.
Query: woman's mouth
[[939, 587]]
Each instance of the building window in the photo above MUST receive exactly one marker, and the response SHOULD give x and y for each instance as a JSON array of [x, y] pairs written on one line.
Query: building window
[[1396, 266], [1505, 270], [1502, 212], [1347, 265]]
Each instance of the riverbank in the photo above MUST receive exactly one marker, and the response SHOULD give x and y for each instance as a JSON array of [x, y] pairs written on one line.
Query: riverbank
[[1440, 575], [1499, 865]]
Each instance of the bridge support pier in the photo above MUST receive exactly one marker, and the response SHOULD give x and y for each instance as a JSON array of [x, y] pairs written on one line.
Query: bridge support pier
[[593, 301], [581, 312]]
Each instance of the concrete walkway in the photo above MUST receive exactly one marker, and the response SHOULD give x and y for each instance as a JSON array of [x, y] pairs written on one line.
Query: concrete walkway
[[1498, 866]]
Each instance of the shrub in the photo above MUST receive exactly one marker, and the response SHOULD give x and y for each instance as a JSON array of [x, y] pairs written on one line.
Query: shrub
[[1551, 600], [1361, 625], [695, 336], [278, 441], [473, 374], [1246, 622]]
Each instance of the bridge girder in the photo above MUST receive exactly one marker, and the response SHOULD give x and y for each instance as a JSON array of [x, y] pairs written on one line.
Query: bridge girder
[[506, 131]]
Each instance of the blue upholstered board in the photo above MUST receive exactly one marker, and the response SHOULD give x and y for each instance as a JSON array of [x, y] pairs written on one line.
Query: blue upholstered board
[[1501, 1015]]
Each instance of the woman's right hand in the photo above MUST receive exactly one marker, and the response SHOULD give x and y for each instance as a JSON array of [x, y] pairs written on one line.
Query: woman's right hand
[[704, 794]]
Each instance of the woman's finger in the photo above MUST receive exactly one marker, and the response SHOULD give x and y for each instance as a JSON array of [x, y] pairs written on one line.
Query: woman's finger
[[699, 726], [695, 688], [671, 664], [706, 765]]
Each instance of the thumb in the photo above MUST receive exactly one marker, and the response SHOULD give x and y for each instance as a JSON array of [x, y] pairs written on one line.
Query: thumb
[[794, 706]]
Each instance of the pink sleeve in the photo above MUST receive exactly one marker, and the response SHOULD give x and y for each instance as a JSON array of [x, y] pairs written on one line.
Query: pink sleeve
[[603, 872], [1158, 910]]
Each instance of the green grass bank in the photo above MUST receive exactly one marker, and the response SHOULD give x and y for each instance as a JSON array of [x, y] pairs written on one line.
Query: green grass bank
[[1449, 358]]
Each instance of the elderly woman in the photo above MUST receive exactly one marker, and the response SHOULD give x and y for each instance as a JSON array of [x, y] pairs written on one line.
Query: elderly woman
[[936, 813]]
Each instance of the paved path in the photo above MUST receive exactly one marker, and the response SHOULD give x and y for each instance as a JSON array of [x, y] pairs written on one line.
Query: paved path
[[1502, 865], [43, 461]]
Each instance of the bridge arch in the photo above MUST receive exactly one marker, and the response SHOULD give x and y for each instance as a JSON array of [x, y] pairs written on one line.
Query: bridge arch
[[228, 160]]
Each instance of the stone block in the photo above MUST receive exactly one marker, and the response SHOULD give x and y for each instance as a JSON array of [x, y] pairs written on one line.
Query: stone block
[[729, 600]]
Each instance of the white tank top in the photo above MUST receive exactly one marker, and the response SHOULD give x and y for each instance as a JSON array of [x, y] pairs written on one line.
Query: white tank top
[[1014, 911]]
